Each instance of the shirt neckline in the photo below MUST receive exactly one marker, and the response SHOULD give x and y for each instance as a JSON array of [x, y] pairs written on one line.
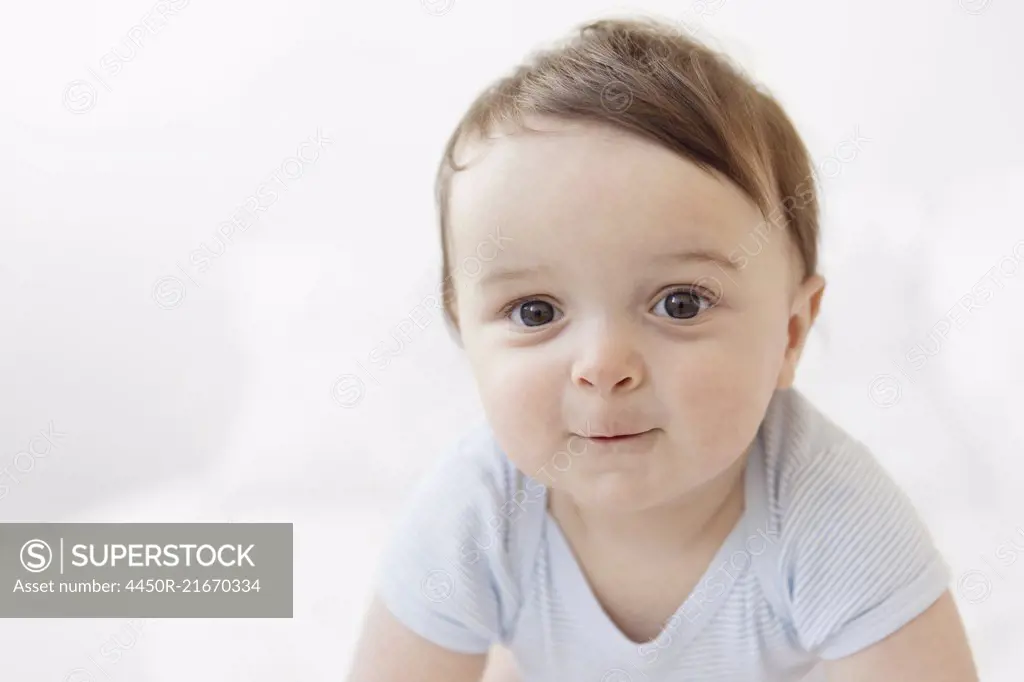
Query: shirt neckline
[[692, 616]]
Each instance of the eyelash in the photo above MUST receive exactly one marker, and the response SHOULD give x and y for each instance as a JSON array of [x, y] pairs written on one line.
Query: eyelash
[[711, 299]]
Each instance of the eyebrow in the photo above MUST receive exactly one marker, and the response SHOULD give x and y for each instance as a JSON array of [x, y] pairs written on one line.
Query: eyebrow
[[700, 256], [499, 275]]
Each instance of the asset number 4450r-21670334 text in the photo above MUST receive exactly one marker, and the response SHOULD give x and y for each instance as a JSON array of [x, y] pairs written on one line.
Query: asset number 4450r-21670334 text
[[193, 585]]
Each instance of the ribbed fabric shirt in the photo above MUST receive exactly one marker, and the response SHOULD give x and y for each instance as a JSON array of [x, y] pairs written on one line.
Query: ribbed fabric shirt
[[828, 557]]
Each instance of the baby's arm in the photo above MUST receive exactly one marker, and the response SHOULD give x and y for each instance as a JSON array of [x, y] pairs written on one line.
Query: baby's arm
[[866, 587], [443, 581], [390, 652], [501, 666], [931, 647]]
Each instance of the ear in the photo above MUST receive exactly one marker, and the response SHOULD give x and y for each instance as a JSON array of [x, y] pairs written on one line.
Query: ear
[[806, 303]]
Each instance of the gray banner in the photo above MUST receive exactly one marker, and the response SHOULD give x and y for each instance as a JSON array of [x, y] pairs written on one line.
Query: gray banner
[[139, 570]]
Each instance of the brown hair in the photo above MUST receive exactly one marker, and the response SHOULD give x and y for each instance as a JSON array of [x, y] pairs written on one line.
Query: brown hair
[[646, 77]]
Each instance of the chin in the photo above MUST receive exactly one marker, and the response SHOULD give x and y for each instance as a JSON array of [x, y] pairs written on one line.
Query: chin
[[615, 492], [635, 490]]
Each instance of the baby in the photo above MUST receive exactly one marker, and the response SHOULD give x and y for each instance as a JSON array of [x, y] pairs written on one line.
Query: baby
[[629, 229]]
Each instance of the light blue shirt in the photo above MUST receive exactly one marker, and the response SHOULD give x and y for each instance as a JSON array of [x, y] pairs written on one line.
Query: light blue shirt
[[829, 557]]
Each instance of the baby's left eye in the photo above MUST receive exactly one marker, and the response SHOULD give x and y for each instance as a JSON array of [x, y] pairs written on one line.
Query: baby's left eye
[[685, 304]]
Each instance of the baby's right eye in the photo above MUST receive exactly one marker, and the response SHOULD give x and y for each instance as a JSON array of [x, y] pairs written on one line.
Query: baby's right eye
[[530, 312]]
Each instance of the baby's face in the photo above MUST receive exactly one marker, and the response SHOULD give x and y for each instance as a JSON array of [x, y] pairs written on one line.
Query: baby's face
[[611, 307]]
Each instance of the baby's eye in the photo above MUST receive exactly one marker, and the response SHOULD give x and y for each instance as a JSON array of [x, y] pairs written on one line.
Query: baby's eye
[[685, 304], [531, 313]]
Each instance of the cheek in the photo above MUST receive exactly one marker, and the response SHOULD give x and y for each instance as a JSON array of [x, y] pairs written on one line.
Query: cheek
[[521, 396], [718, 369], [719, 391]]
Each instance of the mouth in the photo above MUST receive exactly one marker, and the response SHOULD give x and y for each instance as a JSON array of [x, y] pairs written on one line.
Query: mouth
[[617, 438], [599, 448]]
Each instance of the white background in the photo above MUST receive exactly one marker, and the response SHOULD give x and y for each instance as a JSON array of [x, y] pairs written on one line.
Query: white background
[[223, 406]]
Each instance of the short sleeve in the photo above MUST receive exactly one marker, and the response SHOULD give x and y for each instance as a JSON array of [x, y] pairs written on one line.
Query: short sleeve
[[857, 559], [441, 573]]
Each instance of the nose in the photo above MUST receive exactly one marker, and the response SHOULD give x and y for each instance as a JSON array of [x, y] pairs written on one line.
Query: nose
[[609, 364]]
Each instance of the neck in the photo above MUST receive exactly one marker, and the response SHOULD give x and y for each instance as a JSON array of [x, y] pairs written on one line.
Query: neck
[[704, 516]]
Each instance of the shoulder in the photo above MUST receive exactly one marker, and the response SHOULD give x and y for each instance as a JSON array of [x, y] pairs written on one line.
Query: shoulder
[[471, 476], [799, 442], [453, 567], [855, 560], [472, 492], [820, 477]]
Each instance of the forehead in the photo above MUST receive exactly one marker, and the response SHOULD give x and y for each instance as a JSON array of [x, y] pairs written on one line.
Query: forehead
[[592, 190]]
